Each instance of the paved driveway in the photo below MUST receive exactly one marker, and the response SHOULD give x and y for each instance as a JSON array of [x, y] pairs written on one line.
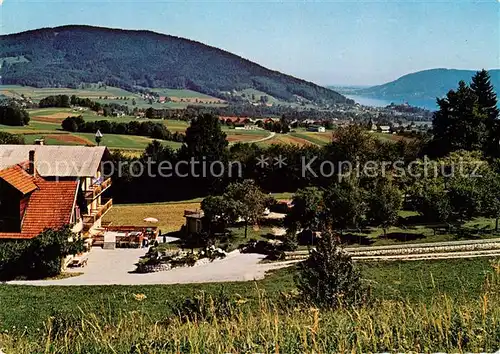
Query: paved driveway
[[106, 267]]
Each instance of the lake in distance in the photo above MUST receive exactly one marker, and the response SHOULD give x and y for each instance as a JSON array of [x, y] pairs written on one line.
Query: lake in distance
[[382, 102]]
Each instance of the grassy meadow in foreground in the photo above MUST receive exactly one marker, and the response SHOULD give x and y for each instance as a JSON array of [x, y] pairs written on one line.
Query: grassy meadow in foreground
[[451, 305]]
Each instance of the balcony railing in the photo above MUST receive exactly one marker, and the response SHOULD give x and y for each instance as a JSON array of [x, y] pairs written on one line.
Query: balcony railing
[[90, 219], [97, 189]]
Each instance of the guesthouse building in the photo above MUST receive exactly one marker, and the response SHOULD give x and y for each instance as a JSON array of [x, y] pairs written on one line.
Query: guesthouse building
[[51, 186]]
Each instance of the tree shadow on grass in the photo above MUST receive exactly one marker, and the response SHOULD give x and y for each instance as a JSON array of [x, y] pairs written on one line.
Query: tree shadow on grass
[[466, 234], [353, 239], [403, 236], [412, 221]]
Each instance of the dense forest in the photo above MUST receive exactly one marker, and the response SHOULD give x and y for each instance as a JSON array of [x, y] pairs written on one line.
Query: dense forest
[[67, 56]]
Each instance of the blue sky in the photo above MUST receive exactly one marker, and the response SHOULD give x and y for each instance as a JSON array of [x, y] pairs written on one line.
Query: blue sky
[[328, 42]]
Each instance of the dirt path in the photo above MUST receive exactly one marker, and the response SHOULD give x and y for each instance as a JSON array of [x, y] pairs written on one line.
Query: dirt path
[[270, 136]]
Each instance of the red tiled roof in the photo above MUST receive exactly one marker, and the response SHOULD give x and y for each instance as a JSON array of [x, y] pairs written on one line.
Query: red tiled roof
[[19, 179], [49, 206], [232, 119]]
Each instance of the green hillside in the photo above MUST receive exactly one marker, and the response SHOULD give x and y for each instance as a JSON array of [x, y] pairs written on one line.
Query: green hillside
[[427, 84], [67, 56]]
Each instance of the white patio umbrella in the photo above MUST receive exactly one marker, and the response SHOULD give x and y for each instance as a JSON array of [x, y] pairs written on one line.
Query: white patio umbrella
[[151, 220]]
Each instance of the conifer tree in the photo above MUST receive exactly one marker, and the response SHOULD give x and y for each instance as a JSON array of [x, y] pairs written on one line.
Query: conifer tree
[[487, 105]]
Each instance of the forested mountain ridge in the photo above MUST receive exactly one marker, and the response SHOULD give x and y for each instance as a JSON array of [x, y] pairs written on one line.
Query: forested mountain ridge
[[426, 84], [69, 55]]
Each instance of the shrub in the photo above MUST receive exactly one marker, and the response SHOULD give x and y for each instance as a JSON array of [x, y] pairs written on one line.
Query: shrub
[[272, 251], [73, 124], [39, 257], [188, 260], [328, 277], [13, 115], [8, 138], [11, 256]]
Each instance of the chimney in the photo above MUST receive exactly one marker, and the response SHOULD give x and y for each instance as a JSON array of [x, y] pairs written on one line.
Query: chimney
[[39, 141], [31, 167]]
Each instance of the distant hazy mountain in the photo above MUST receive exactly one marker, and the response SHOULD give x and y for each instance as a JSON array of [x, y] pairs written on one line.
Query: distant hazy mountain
[[427, 84], [66, 56]]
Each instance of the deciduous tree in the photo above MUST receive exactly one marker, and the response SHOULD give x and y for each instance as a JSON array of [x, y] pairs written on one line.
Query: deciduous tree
[[247, 201], [307, 209], [430, 199], [345, 205], [205, 138], [384, 204]]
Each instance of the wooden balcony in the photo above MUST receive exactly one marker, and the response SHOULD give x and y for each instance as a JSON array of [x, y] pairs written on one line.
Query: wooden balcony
[[90, 219], [97, 189]]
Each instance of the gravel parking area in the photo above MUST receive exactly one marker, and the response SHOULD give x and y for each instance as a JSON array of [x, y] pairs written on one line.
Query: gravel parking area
[[108, 267]]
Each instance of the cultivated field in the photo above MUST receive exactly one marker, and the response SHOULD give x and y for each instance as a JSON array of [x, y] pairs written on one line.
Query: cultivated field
[[189, 96], [181, 98], [285, 139], [46, 123], [244, 136], [389, 137], [38, 93], [315, 138], [54, 135]]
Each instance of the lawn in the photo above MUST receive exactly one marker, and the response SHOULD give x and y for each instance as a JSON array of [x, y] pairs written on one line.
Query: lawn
[[282, 196], [423, 281], [170, 215], [477, 228]]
